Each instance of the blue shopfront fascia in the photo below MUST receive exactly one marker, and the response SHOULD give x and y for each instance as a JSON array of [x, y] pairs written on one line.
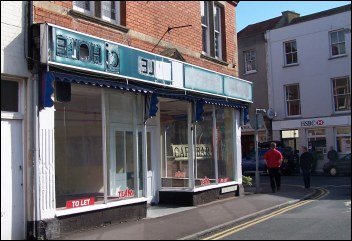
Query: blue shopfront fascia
[[63, 47]]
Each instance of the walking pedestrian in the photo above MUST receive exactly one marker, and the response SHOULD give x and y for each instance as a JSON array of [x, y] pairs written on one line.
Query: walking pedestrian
[[273, 159], [306, 162]]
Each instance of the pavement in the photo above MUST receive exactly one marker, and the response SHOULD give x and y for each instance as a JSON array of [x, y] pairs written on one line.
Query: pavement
[[190, 223]]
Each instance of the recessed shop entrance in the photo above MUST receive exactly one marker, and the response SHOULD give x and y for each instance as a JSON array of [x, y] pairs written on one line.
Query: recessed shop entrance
[[126, 161]]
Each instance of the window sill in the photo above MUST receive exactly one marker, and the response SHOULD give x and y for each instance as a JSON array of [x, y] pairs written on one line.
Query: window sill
[[293, 117], [290, 65], [338, 56], [250, 72], [202, 56], [78, 14], [341, 112], [70, 211]]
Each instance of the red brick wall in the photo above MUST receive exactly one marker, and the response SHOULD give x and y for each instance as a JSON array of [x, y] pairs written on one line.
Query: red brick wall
[[154, 17], [150, 18]]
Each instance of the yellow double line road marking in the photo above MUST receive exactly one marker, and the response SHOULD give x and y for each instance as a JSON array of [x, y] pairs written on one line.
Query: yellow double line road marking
[[220, 235]]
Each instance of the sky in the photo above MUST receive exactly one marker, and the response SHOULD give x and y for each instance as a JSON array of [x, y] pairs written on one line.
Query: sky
[[250, 12]]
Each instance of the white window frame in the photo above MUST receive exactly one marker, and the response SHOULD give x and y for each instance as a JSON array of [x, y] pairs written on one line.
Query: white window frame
[[313, 135], [211, 33], [117, 12], [346, 94], [250, 60], [344, 134], [19, 114], [217, 32], [205, 13], [339, 43], [292, 100], [290, 53], [83, 10]]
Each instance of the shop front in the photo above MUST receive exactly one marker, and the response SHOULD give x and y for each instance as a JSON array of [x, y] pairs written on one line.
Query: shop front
[[318, 134], [121, 128]]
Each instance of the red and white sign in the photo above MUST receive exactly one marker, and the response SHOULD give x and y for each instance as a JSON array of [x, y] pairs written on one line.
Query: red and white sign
[[319, 122], [180, 174], [125, 193], [224, 179], [205, 181], [80, 202]]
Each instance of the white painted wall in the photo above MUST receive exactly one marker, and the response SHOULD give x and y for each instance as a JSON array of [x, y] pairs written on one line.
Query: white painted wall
[[315, 68], [12, 38]]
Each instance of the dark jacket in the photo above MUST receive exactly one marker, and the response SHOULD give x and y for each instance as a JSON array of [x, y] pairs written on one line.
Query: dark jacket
[[332, 155], [306, 161]]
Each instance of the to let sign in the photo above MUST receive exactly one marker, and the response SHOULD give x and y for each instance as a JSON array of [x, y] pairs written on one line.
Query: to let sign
[[80, 202]]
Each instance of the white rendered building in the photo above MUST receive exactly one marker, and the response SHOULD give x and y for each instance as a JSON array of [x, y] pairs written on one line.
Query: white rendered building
[[309, 82]]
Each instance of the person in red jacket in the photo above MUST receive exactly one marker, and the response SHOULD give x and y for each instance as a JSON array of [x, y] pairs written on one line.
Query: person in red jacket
[[273, 159]]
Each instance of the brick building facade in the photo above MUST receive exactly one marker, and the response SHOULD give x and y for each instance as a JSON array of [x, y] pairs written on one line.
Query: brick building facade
[[143, 23], [133, 103]]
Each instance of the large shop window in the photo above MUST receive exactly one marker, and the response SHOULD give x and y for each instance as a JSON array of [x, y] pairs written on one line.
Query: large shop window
[[78, 146], [175, 149], [213, 158], [214, 147], [343, 140], [204, 149], [225, 144], [317, 139], [79, 170]]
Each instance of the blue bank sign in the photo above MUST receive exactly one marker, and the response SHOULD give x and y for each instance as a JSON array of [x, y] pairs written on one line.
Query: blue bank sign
[[64, 47]]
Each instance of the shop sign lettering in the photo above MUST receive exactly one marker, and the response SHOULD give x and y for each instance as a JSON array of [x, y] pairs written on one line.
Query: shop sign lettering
[[86, 52], [180, 152], [80, 202], [312, 123], [146, 66], [125, 193], [73, 49]]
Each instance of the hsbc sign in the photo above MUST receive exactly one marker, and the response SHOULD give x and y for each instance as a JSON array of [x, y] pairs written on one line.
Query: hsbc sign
[[319, 122], [312, 123]]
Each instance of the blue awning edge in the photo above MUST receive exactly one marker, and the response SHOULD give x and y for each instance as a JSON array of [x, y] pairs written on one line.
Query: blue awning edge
[[100, 82], [46, 90]]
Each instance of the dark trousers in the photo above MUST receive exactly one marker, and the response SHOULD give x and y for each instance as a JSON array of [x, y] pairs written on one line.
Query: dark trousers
[[275, 178], [306, 177]]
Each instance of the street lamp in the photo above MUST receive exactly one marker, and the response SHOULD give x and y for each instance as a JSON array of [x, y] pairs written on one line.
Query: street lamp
[[257, 182]]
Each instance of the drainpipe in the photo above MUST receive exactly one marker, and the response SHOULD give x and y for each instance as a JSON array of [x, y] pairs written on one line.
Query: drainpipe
[[36, 184], [34, 123], [31, 130], [29, 56]]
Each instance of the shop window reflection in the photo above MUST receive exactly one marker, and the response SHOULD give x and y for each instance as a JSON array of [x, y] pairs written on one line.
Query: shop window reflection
[[174, 131]]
